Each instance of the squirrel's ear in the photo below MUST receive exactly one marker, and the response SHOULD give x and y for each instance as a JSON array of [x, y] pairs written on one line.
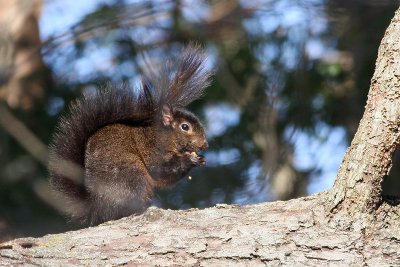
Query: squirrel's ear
[[166, 115]]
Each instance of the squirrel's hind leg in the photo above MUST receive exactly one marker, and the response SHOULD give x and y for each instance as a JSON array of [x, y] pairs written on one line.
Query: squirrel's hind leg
[[120, 188]]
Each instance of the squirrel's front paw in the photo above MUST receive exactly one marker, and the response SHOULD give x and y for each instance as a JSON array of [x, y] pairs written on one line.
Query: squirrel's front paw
[[196, 159]]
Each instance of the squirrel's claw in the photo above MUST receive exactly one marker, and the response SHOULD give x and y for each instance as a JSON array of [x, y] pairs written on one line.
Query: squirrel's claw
[[201, 160]]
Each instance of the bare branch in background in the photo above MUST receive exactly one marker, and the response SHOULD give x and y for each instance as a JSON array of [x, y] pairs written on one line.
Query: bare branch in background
[[23, 135]]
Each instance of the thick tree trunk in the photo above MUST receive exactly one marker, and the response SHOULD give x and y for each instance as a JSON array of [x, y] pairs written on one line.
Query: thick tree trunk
[[295, 232], [21, 65], [349, 225]]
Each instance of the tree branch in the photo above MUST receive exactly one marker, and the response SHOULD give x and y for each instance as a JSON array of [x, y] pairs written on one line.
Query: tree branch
[[369, 158]]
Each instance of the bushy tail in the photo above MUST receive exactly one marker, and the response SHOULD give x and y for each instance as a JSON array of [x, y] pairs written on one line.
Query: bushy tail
[[87, 115], [175, 86], [181, 81]]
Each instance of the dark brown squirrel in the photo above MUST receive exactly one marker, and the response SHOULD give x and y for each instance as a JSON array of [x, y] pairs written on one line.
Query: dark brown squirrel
[[115, 147]]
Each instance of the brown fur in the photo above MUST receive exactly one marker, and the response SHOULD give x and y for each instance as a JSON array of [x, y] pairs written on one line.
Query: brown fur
[[114, 148]]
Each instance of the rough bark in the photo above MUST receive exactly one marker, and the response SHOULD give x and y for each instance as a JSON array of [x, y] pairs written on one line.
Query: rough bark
[[349, 225], [295, 232]]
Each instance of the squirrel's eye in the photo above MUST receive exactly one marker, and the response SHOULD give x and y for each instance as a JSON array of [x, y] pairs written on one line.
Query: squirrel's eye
[[185, 127]]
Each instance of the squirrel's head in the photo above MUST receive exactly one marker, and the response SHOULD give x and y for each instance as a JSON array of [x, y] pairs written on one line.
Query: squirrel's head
[[187, 132]]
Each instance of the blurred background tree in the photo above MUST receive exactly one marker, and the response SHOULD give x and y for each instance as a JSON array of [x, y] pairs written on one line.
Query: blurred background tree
[[288, 93]]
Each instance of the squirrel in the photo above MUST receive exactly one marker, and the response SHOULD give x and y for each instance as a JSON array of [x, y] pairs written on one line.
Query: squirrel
[[116, 146]]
